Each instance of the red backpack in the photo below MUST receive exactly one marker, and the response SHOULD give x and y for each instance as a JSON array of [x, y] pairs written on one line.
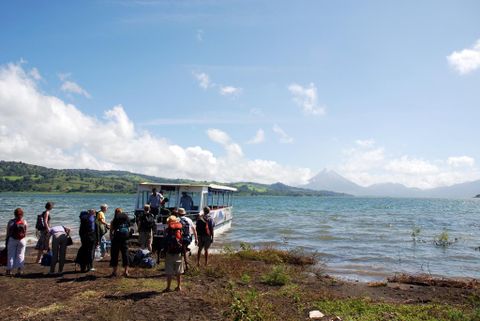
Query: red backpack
[[173, 240], [18, 230]]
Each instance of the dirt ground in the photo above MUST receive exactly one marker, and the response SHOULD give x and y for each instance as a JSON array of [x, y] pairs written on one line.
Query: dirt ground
[[209, 293]]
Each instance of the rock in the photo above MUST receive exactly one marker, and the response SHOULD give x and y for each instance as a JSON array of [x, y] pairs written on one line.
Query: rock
[[315, 315]]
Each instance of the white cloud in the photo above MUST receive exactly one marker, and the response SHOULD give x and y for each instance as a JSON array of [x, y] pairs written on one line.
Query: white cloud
[[230, 91], [35, 74], [199, 35], [282, 135], [368, 164], [460, 161], [466, 60], [42, 129], [203, 79], [365, 143], [205, 83], [258, 138], [307, 98], [408, 165], [72, 87]]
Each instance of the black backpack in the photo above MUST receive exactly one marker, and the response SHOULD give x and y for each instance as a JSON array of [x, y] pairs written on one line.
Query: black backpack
[[186, 236], [148, 221], [40, 225]]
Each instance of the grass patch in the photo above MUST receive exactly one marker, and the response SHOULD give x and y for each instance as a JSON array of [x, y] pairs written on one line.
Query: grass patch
[[43, 311], [271, 255], [278, 276], [134, 285], [88, 294], [364, 310]]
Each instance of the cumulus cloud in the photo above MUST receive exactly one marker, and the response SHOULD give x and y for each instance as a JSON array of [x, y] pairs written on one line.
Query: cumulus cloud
[[367, 164], [282, 135], [466, 60], [225, 90], [258, 138], [307, 98], [460, 161], [42, 129]]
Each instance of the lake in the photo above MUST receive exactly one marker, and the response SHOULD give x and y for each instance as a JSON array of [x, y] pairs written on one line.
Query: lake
[[357, 238]]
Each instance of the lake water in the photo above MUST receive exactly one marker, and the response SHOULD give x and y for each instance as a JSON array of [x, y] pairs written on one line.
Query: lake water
[[357, 238]]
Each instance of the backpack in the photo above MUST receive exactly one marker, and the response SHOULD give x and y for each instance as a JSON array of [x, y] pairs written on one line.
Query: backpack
[[123, 230], [40, 225], [46, 259], [18, 230], [87, 226], [147, 263], [148, 221], [186, 236], [173, 240], [202, 225]]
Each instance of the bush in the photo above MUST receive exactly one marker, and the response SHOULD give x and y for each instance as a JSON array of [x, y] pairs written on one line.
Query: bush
[[277, 277]]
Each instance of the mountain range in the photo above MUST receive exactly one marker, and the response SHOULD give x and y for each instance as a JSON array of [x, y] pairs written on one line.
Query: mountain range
[[332, 181], [21, 177]]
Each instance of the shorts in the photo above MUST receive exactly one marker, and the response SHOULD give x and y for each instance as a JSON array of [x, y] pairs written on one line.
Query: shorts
[[204, 241], [173, 264], [43, 243], [145, 239]]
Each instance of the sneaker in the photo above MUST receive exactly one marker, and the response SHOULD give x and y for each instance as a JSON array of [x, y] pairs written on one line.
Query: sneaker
[[92, 270]]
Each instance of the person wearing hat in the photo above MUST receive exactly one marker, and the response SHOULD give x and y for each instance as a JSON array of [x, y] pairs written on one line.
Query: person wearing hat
[[173, 255], [192, 231]]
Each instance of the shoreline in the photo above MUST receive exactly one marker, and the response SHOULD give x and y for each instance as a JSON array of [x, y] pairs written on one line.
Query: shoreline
[[245, 284]]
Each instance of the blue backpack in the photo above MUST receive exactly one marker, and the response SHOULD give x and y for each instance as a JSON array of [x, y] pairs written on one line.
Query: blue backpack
[[46, 259]]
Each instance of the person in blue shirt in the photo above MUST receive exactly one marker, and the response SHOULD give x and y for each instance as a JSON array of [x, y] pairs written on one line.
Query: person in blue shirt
[[155, 201], [186, 202]]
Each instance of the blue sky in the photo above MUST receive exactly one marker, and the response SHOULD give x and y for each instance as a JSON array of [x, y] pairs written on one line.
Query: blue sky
[[366, 88]]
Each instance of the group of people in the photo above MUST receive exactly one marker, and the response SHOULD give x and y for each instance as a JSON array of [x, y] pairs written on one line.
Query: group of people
[[180, 231]]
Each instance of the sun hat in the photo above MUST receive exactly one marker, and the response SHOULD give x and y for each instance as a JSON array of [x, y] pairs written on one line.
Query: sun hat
[[181, 211], [172, 218]]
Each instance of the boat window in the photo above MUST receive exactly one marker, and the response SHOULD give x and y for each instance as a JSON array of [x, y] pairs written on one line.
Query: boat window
[[172, 196], [185, 202]]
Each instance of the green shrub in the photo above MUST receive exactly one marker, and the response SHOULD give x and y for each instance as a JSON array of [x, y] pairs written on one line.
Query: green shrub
[[277, 277]]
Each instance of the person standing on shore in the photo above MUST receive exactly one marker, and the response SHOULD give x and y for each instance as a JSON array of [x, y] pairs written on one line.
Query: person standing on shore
[[173, 255], [119, 234], [146, 227], [155, 201], [205, 227], [88, 237], [189, 231], [16, 243], [102, 227], [59, 247], [43, 226]]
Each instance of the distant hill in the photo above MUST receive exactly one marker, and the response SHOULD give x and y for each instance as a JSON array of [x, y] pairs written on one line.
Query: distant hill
[[330, 180], [21, 177]]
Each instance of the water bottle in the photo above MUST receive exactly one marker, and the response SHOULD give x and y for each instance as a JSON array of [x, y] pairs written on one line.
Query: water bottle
[[98, 254]]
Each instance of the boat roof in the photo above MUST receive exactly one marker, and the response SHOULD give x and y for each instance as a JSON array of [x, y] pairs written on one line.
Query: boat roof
[[212, 186]]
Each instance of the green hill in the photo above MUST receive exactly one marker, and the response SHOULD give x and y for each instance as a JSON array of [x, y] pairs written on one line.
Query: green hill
[[21, 177]]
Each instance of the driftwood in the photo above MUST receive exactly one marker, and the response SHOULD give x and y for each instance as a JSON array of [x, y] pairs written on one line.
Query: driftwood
[[427, 280]]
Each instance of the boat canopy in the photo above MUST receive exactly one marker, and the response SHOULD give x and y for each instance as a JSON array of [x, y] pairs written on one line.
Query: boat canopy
[[192, 197]]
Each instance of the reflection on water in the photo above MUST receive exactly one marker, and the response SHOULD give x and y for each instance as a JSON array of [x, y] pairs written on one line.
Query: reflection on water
[[363, 238]]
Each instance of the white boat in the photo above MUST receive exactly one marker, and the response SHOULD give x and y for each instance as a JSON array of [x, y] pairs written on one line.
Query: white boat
[[217, 197]]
